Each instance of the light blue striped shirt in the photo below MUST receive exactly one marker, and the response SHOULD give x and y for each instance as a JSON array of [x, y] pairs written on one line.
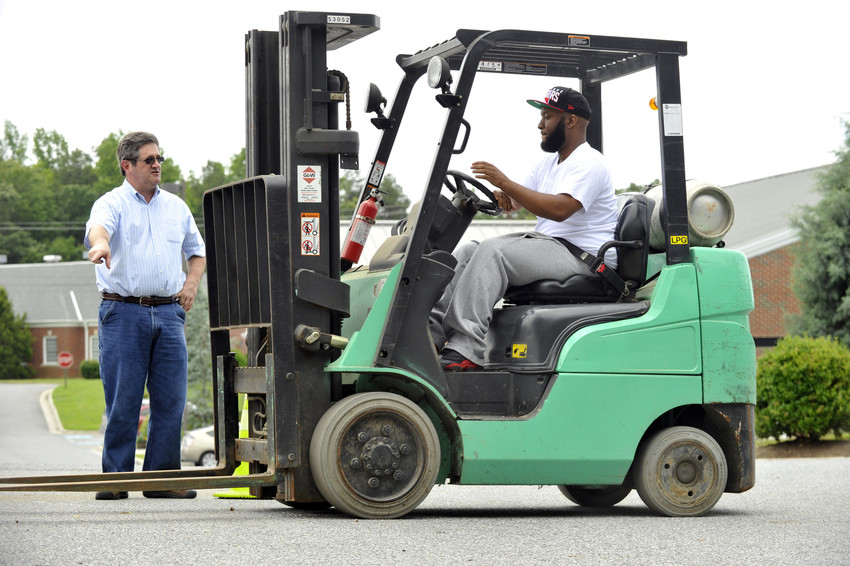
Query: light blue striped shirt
[[148, 242]]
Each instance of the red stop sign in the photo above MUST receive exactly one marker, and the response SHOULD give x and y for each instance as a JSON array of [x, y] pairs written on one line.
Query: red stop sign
[[65, 359]]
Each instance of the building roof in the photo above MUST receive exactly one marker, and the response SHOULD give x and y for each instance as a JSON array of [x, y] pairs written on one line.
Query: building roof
[[764, 209], [53, 293]]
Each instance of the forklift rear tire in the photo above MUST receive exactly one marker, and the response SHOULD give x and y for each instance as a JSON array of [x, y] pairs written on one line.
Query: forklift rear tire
[[602, 496], [680, 472], [375, 455]]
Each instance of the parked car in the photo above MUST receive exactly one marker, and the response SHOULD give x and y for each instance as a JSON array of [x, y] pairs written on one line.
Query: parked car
[[198, 447]]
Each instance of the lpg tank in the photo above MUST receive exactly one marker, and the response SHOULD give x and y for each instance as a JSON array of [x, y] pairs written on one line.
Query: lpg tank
[[710, 214]]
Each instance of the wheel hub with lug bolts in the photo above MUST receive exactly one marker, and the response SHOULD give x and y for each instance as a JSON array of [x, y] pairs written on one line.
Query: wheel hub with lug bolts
[[380, 456], [685, 473]]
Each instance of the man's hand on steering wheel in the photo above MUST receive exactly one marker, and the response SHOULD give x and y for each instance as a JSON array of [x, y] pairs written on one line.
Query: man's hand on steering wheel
[[506, 202], [494, 176], [492, 208]]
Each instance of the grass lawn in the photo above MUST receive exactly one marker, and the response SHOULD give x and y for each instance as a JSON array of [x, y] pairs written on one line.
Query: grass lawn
[[80, 405]]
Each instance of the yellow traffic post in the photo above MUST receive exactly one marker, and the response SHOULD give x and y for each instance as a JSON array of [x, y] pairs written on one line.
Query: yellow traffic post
[[242, 470]]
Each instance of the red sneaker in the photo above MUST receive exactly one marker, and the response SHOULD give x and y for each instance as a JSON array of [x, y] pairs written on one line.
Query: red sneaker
[[455, 361], [465, 365]]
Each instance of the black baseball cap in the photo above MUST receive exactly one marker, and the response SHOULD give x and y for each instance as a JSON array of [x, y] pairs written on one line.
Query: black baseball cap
[[565, 99]]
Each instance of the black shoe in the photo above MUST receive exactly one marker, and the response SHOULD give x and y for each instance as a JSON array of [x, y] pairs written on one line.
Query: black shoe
[[455, 361], [111, 495], [171, 494]]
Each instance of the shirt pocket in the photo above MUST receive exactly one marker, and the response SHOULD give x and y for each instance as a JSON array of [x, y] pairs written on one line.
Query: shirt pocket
[[173, 231]]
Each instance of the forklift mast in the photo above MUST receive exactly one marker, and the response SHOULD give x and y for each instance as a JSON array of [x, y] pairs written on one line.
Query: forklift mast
[[275, 239]]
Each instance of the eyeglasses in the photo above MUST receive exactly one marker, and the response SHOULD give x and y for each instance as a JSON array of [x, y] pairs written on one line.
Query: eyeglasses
[[149, 160]]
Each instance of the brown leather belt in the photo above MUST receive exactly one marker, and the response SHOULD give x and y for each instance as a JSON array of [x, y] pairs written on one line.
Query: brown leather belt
[[144, 301]]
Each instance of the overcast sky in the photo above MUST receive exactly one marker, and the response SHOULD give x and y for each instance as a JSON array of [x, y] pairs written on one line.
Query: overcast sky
[[764, 85]]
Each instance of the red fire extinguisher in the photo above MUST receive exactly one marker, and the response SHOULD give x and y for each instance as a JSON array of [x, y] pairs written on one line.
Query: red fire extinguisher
[[359, 230]]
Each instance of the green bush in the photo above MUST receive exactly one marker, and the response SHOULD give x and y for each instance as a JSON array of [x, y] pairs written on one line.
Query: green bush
[[803, 388], [90, 369]]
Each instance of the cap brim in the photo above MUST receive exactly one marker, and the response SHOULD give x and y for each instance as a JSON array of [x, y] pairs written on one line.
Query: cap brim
[[538, 104]]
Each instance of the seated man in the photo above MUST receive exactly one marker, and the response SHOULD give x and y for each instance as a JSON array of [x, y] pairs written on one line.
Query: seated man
[[571, 193]]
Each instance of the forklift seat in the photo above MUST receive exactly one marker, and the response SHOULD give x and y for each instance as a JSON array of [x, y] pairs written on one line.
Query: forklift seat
[[631, 239]]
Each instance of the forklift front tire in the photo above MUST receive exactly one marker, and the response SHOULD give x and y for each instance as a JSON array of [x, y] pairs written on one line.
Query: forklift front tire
[[375, 455]]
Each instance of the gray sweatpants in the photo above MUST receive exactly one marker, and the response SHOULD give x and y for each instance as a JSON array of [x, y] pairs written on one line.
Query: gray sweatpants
[[484, 271]]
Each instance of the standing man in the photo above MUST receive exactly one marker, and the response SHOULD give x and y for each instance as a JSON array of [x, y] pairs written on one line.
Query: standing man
[[571, 193], [138, 235]]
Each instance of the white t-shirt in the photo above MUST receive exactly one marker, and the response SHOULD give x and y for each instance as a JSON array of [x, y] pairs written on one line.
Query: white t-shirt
[[585, 177]]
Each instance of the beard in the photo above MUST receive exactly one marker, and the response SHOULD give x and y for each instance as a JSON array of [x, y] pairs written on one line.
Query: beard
[[555, 139]]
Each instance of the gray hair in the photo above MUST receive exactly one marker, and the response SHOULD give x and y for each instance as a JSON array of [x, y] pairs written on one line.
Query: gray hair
[[130, 144]]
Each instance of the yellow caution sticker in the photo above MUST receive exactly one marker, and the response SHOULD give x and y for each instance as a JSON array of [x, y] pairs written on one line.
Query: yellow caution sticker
[[519, 351], [679, 240]]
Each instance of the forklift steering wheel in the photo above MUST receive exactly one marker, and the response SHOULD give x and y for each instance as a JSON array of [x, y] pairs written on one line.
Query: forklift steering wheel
[[459, 186]]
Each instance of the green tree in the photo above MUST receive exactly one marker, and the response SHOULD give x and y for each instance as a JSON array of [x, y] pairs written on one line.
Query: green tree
[[27, 202], [213, 174], [53, 198], [200, 393], [13, 146], [18, 246], [44, 205], [238, 165], [33, 185], [106, 167], [77, 169], [9, 198], [822, 268], [15, 342], [171, 172], [50, 148]]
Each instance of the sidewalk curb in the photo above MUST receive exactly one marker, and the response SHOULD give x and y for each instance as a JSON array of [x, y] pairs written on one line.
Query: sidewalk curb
[[51, 416]]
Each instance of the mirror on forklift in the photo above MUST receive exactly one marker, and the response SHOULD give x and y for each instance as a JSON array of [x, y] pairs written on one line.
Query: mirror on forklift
[[375, 102]]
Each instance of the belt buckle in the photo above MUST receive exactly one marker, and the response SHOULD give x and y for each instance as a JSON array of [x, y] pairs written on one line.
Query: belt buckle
[[142, 302]]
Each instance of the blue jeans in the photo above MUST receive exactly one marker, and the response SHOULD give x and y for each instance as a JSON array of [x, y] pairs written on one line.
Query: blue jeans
[[142, 346]]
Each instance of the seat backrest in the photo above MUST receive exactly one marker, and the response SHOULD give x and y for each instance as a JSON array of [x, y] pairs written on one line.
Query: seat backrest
[[633, 223]]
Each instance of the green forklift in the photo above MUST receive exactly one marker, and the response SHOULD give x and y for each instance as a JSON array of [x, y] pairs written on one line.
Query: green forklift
[[599, 385]]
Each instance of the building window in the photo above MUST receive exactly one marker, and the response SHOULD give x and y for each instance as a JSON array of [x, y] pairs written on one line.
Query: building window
[[51, 350], [94, 347]]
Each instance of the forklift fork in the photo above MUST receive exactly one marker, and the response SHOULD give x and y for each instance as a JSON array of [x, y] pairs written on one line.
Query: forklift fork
[[221, 476]]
